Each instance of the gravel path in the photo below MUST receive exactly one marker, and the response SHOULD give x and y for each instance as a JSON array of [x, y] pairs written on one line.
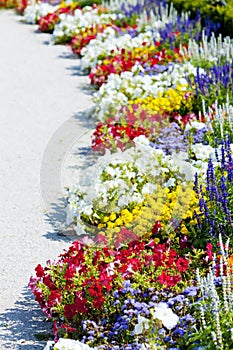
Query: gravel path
[[39, 91]]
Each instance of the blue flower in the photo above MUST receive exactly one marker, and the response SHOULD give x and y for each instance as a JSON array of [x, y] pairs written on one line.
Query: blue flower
[[190, 291]]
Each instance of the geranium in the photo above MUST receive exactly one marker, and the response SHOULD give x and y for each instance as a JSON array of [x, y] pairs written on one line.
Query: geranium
[[121, 131], [111, 42], [47, 23]]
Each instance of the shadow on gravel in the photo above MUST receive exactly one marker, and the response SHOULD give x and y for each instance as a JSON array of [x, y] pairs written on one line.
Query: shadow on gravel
[[84, 157], [57, 217], [85, 119], [76, 70], [77, 148], [47, 41], [69, 55], [20, 324]]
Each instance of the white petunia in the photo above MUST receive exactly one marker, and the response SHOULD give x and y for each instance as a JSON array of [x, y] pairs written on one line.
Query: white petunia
[[35, 11], [166, 315], [141, 140], [70, 344], [203, 152], [195, 125], [142, 325], [148, 188], [87, 210]]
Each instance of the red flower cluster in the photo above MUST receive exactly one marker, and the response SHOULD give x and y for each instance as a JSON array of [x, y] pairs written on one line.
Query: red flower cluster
[[48, 22], [83, 279], [130, 122], [122, 60], [111, 135]]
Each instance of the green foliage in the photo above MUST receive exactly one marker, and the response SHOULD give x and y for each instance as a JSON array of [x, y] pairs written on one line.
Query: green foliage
[[43, 336], [84, 3]]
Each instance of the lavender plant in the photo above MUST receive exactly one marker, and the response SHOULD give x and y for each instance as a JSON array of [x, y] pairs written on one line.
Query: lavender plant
[[215, 83], [216, 198]]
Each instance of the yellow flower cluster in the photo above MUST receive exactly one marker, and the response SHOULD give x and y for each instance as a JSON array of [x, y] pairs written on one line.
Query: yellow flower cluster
[[123, 218], [168, 101], [165, 205], [72, 5], [145, 50]]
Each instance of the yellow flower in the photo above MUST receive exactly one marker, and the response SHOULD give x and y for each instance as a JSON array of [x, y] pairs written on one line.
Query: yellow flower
[[183, 229], [112, 217], [118, 222], [105, 219], [167, 101]]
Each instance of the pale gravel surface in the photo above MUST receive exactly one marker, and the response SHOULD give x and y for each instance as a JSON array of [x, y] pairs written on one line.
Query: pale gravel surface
[[39, 91]]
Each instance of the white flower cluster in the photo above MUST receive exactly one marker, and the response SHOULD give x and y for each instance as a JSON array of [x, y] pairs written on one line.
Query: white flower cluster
[[67, 344], [120, 89], [36, 10], [115, 185], [126, 179], [70, 25]]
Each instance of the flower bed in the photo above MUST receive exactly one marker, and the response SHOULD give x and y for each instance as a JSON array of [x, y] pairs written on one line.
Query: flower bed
[[152, 264]]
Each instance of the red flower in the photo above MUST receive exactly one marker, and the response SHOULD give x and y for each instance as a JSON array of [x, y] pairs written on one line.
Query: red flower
[[98, 303], [70, 311], [54, 298], [80, 303], [39, 271], [182, 264], [48, 282], [156, 228], [167, 280], [209, 251], [95, 290], [79, 306]]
